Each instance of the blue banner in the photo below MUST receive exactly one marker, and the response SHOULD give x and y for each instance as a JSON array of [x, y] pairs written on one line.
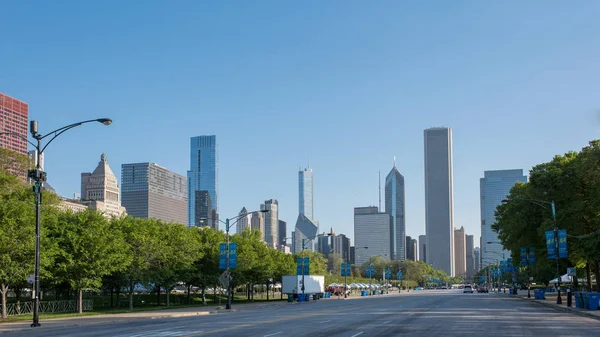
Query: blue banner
[[232, 255], [346, 271], [388, 274], [531, 256], [306, 266], [222, 256], [523, 256], [299, 266], [370, 271], [550, 245], [399, 276], [563, 252]]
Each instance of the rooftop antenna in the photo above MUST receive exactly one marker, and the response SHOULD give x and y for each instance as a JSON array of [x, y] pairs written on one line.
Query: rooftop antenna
[[394, 161], [309, 160], [380, 190]]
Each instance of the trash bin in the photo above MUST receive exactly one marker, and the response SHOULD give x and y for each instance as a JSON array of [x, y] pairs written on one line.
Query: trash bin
[[307, 298], [542, 294], [315, 297], [576, 295], [290, 298], [300, 297], [510, 291], [594, 299], [586, 301]]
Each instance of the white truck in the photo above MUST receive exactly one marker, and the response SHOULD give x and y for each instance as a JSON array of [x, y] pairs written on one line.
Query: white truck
[[313, 284]]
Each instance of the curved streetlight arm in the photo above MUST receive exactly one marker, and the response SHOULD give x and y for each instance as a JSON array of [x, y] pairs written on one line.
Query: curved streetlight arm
[[60, 131], [229, 224], [18, 135], [541, 203]]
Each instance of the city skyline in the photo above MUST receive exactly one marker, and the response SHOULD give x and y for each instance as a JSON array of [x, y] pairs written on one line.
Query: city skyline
[[313, 89]]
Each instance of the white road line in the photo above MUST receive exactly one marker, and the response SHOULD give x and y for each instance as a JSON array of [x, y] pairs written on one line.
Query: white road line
[[358, 334], [386, 322], [273, 334], [326, 321]]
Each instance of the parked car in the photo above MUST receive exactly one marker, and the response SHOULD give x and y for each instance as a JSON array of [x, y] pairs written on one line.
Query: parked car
[[482, 290], [468, 289], [419, 288]]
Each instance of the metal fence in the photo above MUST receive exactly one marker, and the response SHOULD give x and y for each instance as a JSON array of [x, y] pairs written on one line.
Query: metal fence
[[22, 308]]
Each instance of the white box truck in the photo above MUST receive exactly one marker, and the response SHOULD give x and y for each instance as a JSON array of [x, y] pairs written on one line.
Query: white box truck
[[292, 284]]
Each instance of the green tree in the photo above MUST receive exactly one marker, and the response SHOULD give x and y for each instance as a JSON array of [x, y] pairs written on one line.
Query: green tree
[[89, 250], [10, 160], [205, 268]]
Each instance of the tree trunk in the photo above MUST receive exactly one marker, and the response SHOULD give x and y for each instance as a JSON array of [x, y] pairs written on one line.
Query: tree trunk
[[4, 290], [248, 292], [158, 295], [597, 273], [111, 296], [131, 288], [267, 290], [18, 298], [588, 271], [189, 289], [118, 297], [168, 291], [80, 302]]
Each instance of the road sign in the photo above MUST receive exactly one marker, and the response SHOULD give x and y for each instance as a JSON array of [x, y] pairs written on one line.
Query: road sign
[[222, 256], [223, 278], [31, 279], [571, 272]]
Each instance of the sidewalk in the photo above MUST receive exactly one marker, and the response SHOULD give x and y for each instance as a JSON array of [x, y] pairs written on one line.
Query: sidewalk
[[132, 316], [550, 302]]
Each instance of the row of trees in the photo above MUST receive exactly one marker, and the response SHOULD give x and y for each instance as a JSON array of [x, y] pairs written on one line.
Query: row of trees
[[572, 181]]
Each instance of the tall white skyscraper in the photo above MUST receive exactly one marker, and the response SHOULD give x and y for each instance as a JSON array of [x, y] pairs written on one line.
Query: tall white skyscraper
[[271, 222], [305, 193], [439, 203], [244, 221], [494, 187], [394, 206]]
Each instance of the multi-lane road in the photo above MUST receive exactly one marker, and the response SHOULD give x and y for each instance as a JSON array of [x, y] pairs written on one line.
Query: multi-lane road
[[418, 313]]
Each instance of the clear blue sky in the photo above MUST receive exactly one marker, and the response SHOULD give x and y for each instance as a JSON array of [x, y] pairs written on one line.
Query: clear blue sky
[[350, 82]]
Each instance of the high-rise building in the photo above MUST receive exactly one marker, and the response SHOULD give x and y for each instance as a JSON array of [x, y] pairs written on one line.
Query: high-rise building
[[477, 255], [282, 233], [371, 229], [439, 204], [257, 223], [494, 187], [244, 220], [14, 115], [323, 245], [101, 189], [470, 257], [352, 255], [271, 222], [305, 230], [152, 191], [409, 252], [305, 193], [203, 176], [460, 252], [423, 248], [340, 244], [414, 246], [394, 206]]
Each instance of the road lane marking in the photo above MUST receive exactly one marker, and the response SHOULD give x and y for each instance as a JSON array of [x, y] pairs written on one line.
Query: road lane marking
[[386, 322], [326, 321], [358, 334], [273, 334]]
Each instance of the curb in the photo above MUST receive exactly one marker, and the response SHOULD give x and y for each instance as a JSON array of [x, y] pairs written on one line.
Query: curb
[[572, 311]]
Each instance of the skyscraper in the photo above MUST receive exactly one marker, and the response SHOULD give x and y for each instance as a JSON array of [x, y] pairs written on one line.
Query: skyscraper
[[394, 206], [414, 245], [494, 187], [271, 222], [203, 176], [14, 115], [282, 233], [460, 252], [477, 255], [409, 252], [151, 191], [470, 257], [439, 204], [371, 229], [101, 189], [257, 223], [340, 244], [305, 230], [423, 248], [305, 193], [244, 220]]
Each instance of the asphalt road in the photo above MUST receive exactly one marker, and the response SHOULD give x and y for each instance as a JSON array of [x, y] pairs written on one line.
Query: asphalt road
[[425, 313]]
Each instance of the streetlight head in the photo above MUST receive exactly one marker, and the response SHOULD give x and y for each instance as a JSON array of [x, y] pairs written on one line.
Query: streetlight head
[[105, 121], [505, 201]]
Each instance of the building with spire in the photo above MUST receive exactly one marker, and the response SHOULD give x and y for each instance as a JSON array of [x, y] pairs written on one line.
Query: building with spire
[[306, 227], [203, 178], [100, 190], [394, 206]]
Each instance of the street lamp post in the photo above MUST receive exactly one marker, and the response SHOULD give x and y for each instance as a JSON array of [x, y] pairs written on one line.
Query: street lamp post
[[545, 204], [39, 176], [227, 227]]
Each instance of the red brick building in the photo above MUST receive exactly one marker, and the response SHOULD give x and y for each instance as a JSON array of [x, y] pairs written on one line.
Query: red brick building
[[14, 117]]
